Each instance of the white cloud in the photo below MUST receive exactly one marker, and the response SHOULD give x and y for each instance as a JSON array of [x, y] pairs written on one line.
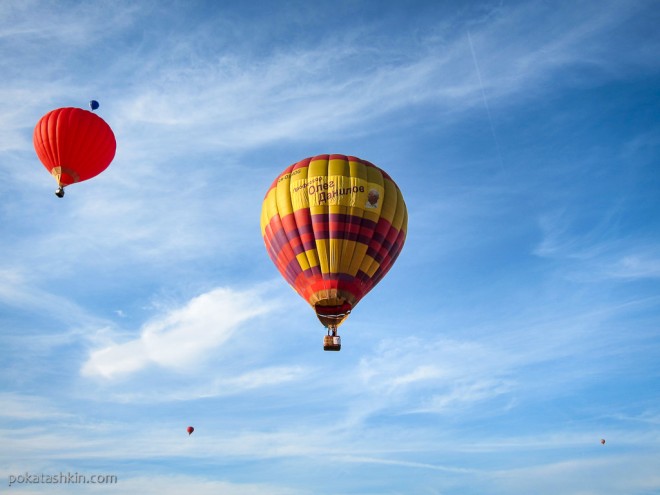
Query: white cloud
[[403, 463], [228, 383], [256, 379], [174, 485], [591, 475], [635, 266], [436, 376], [16, 406], [596, 254], [233, 100], [19, 289], [419, 374], [343, 84], [183, 336], [40, 48]]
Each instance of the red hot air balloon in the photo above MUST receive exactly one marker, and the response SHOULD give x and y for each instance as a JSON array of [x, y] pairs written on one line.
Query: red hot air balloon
[[602, 441], [190, 429], [333, 225], [74, 145]]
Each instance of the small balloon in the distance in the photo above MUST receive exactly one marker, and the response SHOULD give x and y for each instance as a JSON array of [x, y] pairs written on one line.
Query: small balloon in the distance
[[190, 429], [602, 441], [93, 104]]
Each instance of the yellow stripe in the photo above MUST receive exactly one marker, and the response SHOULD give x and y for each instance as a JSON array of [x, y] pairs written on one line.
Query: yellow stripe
[[337, 169], [298, 189], [317, 171], [369, 265], [358, 258], [390, 202], [283, 196], [400, 219], [268, 210], [322, 252], [303, 261]]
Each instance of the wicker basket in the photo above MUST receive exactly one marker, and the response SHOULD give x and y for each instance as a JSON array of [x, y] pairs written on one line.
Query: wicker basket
[[331, 343]]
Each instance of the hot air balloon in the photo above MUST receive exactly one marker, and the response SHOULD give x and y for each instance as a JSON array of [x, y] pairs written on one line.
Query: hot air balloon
[[93, 104], [74, 145], [190, 429], [602, 441], [333, 226]]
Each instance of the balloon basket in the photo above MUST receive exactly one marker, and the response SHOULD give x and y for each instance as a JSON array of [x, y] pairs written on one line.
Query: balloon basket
[[332, 343]]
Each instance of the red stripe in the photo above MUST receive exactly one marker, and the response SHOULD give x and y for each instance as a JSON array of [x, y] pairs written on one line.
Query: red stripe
[[307, 286]]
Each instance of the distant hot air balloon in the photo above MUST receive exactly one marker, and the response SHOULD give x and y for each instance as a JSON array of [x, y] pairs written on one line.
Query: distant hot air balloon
[[93, 104], [190, 429], [602, 441], [74, 145], [333, 225]]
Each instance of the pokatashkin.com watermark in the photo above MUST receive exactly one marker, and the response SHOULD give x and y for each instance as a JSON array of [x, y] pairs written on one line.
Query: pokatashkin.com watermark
[[62, 479]]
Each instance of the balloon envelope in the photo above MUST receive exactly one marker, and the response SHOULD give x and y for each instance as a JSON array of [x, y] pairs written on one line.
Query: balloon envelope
[[93, 104], [333, 225], [73, 144], [190, 429]]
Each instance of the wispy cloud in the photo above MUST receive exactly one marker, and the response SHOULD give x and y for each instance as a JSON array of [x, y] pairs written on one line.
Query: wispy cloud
[[182, 337], [19, 289], [22, 407], [440, 376], [595, 474], [51, 59], [173, 485], [635, 266], [403, 463], [597, 253], [231, 382], [342, 83]]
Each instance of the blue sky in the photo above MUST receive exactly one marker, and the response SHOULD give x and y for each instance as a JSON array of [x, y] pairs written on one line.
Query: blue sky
[[519, 326]]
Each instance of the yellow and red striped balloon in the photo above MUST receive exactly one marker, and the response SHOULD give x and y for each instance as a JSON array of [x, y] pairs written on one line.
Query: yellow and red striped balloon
[[333, 225]]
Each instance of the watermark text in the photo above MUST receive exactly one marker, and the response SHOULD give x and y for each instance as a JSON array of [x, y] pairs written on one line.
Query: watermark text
[[62, 479]]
